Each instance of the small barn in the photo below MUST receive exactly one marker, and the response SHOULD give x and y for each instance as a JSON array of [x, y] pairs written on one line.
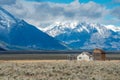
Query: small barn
[[85, 56], [99, 54]]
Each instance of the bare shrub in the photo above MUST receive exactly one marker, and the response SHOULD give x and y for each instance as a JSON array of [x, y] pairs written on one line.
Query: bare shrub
[[67, 70]]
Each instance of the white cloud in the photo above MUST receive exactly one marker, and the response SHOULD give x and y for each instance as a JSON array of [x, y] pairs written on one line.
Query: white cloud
[[7, 2], [46, 12], [116, 1], [116, 12]]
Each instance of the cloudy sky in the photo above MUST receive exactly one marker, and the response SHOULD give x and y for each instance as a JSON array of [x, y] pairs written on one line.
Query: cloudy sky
[[38, 12]]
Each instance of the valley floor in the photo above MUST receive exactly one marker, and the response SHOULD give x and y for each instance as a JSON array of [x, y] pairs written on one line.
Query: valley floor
[[59, 70]]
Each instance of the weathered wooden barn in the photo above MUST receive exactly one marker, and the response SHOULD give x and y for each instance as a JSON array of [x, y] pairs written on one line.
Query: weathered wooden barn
[[99, 54]]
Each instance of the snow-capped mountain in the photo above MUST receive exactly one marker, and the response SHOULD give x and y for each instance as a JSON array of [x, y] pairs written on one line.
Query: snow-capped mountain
[[18, 34], [85, 35]]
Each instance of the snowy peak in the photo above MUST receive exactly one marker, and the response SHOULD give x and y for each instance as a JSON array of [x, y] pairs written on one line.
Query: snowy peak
[[58, 28], [70, 25], [85, 35], [63, 25], [16, 34], [6, 19], [113, 28]]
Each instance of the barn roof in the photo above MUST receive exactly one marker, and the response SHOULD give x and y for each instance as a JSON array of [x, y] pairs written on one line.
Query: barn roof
[[87, 53], [97, 50]]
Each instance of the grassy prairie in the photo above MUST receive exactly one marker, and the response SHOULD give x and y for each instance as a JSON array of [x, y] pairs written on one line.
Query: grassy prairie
[[59, 70]]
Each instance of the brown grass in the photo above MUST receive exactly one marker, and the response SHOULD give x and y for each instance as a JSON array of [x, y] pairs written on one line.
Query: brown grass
[[59, 70], [34, 61]]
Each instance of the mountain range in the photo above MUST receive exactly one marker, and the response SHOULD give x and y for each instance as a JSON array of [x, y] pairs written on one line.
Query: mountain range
[[16, 34], [84, 35]]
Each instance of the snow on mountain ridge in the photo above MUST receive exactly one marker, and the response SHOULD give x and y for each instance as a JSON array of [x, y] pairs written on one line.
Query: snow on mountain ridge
[[6, 19], [58, 28], [71, 25], [66, 27], [8, 14], [86, 35], [16, 34], [113, 28]]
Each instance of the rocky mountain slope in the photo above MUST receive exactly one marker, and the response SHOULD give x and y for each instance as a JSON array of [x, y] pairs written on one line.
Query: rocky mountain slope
[[85, 35], [18, 34]]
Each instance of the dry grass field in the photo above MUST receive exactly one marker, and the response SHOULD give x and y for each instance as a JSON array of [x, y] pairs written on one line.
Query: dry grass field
[[59, 70]]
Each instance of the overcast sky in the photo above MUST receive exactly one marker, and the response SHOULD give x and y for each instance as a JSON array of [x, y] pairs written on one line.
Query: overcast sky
[[39, 12]]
